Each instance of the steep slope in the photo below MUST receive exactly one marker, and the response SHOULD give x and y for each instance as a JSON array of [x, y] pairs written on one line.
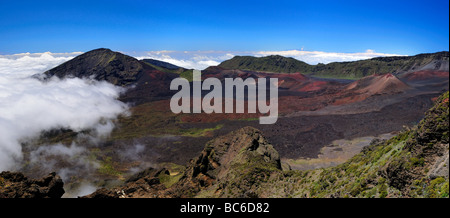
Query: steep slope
[[101, 64], [169, 68], [425, 75], [161, 64], [356, 69], [232, 165], [412, 164], [145, 82]]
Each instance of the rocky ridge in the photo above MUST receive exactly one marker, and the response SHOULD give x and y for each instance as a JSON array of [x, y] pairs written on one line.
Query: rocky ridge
[[16, 185]]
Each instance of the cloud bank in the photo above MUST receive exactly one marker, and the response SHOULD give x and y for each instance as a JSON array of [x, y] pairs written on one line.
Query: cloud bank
[[29, 106], [203, 59], [315, 57]]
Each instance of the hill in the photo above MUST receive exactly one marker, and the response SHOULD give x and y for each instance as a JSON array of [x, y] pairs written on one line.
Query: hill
[[378, 84], [273, 63], [101, 64], [169, 68], [145, 82], [161, 64], [351, 70]]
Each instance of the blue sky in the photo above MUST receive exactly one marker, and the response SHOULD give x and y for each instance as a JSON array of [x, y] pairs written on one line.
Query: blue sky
[[398, 27]]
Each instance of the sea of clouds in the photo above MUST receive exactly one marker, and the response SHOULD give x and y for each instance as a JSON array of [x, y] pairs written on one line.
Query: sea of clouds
[[29, 106]]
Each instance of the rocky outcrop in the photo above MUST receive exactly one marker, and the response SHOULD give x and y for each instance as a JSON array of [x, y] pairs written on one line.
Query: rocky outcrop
[[103, 193], [16, 185], [149, 172], [230, 165], [440, 168]]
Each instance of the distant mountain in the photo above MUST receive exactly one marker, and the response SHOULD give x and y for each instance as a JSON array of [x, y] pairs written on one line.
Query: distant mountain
[[352, 70], [169, 68], [147, 80], [101, 64], [161, 64], [273, 63]]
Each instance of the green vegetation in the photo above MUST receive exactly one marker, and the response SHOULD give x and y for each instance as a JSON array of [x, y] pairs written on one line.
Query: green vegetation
[[343, 70], [146, 119], [388, 168], [169, 180], [172, 167], [187, 74], [196, 132], [112, 58], [176, 172], [152, 119], [250, 119], [107, 167], [274, 63]]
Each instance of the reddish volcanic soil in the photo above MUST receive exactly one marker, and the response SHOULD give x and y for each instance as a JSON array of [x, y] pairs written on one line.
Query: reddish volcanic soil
[[371, 106], [295, 137], [153, 85], [397, 104], [314, 86], [301, 93], [368, 86], [425, 75], [378, 84]]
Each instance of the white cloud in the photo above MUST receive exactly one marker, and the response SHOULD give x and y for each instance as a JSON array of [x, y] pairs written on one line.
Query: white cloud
[[315, 57], [29, 106], [203, 59], [68, 162], [184, 59], [26, 64]]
